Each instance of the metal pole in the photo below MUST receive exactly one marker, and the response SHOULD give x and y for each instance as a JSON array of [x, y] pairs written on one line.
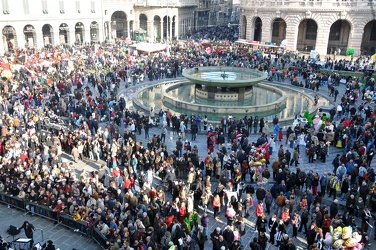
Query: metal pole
[[41, 232]]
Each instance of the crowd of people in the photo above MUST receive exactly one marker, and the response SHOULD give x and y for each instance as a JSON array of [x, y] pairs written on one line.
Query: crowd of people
[[121, 199]]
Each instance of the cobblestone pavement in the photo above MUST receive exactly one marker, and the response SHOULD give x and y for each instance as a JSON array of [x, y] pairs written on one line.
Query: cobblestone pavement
[[65, 239], [317, 166]]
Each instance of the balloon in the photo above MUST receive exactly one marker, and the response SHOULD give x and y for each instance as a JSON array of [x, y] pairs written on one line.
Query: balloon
[[358, 246], [350, 242], [346, 233], [338, 229], [328, 240], [337, 236], [357, 236], [338, 243]]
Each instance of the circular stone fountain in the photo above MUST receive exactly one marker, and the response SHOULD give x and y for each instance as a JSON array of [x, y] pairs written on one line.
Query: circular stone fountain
[[224, 83], [219, 91]]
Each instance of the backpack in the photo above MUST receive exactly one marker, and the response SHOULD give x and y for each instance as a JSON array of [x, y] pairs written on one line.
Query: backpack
[[362, 170]]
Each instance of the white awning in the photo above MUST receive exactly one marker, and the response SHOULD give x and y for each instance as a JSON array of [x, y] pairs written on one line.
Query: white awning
[[150, 47]]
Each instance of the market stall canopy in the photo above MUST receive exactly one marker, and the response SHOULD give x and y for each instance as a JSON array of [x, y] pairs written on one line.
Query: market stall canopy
[[150, 47]]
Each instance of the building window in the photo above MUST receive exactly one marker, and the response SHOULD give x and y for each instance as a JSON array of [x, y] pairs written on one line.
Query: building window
[[26, 7], [311, 31], [92, 6], [61, 7], [335, 30], [373, 32], [78, 8], [276, 29], [44, 7], [5, 7]]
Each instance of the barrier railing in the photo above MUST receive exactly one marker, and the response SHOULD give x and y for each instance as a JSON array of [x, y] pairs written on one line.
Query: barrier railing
[[42, 211], [99, 238], [13, 201], [48, 213]]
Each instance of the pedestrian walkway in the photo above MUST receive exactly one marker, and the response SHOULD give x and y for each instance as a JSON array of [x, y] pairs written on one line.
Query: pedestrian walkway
[[63, 238]]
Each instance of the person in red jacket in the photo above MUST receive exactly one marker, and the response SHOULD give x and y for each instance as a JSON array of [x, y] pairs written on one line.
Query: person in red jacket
[[326, 224], [182, 212], [259, 208], [169, 220]]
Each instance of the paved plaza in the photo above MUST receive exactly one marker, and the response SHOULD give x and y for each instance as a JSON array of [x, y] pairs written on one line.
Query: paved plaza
[[67, 239]]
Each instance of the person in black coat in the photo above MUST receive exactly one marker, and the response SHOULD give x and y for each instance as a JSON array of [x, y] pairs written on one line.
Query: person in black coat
[[29, 231], [194, 130], [260, 193], [254, 245], [220, 243], [228, 235], [28, 228], [334, 209], [273, 224], [263, 240]]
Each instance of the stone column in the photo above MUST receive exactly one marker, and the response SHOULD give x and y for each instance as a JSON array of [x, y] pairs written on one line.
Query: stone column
[[106, 28], [86, 36], [161, 30], [266, 31], [183, 27], [292, 35], [322, 39], [39, 40], [170, 32], [56, 39], [177, 27], [136, 22], [101, 36], [250, 31], [150, 30], [21, 41], [128, 29], [72, 36], [355, 40]]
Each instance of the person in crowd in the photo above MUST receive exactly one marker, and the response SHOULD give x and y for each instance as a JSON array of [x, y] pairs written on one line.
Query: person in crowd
[[29, 231], [124, 199]]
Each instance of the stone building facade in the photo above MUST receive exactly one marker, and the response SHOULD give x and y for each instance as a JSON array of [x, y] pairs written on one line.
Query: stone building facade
[[38, 23], [322, 25]]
